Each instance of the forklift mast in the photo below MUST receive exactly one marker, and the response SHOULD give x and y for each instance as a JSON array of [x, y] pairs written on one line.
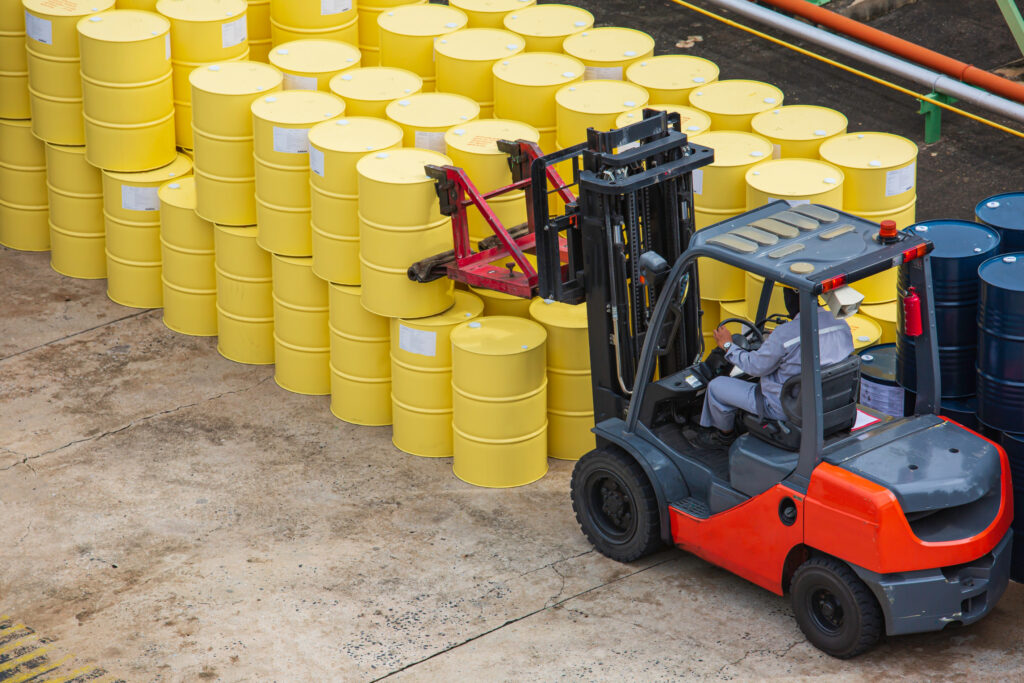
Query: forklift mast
[[614, 246]]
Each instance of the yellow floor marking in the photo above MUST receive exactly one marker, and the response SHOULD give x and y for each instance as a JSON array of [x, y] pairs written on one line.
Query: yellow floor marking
[[74, 674], [13, 629], [28, 675], [17, 661], [15, 644]]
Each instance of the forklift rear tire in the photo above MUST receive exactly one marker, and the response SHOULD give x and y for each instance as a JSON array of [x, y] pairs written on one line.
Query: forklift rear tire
[[835, 609], [615, 505]]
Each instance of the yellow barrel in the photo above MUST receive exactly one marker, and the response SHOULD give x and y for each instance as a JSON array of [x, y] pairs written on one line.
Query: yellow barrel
[[258, 28], [866, 332], [499, 303], [245, 303], [608, 51], [128, 100], [732, 104], [334, 149], [369, 31], [474, 148], [14, 102], [222, 97], [302, 344], [525, 87], [360, 360], [712, 315], [131, 213], [311, 64], [753, 284], [421, 378], [407, 37], [368, 91], [884, 315], [691, 121], [189, 277], [490, 13], [545, 27], [499, 401], [801, 180], [55, 82], [147, 5], [77, 235], [570, 393], [904, 216], [797, 130], [671, 78], [202, 31], [596, 105], [880, 168], [23, 197], [465, 59], [400, 222], [326, 19], [281, 124], [426, 117]]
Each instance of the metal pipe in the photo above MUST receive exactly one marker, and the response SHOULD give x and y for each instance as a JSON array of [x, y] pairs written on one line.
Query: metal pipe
[[844, 46], [904, 48]]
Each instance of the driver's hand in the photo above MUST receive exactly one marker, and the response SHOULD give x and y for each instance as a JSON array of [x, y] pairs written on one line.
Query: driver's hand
[[722, 336]]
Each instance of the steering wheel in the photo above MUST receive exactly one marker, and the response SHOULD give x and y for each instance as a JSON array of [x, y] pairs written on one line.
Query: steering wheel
[[751, 338]]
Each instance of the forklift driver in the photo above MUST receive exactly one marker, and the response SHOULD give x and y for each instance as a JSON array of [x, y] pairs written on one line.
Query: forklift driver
[[774, 362]]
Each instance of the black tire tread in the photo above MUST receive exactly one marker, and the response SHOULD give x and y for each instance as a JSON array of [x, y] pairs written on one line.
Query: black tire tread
[[872, 621]]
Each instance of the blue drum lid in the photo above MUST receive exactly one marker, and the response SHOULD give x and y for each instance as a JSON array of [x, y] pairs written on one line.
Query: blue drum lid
[[1004, 211], [959, 239], [1005, 272], [878, 363]]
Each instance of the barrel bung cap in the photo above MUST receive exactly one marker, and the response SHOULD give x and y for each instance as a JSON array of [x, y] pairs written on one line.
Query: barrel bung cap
[[734, 147], [611, 44], [549, 21], [799, 122], [180, 193], [66, 8], [298, 107], [235, 78], [539, 69], [736, 97], [124, 26], [794, 177], [433, 110], [557, 314], [601, 97], [691, 121], [499, 335], [868, 151], [422, 20], [312, 55], [180, 167], [479, 44], [355, 134], [481, 136], [467, 306], [672, 72], [201, 10], [376, 83], [403, 166]]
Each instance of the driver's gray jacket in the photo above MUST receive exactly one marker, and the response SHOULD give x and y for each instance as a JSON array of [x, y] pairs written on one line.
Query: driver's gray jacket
[[778, 359]]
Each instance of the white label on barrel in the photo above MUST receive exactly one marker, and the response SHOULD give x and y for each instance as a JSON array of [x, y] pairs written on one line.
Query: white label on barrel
[[776, 151], [167, 46], [698, 181], [613, 73], [293, 82], [233, 33], [291, 140], [139, 198], [899, 181], [882, 397], [316, 161], [420, 342], [39, 29], [425, 139], [334, 6]]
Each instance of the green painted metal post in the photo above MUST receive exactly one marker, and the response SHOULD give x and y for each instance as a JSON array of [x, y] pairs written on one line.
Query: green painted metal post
[[1013, 19], [933, 115]]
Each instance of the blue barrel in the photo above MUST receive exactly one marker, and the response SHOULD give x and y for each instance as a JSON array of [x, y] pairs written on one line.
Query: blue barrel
[[1001, 343], [1005, 213], [1014, 445], [961, 410], [960, 248], [878, 386]]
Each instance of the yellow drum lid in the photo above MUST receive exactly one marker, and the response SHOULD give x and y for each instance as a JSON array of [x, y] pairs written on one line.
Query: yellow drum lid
[[65, 8], [601, 97], [123, 26], [672, 72], [181, 166], [491, 5], [401, 166], [311, 55], [884, 312], [201, 10], [235, 78], [433, 110], [549, 21], [799, 122], [865, 331], [376, 83], [539, 69], [179, 193], [868, 150], [735, 148], [733, 309], [557, 314], [691, 121], [498, 335], [736, 97], [479, 44], [481, 136], [466, 307], [794, 177], [608, 44], [355, 134], [298, 107], [422, 20]]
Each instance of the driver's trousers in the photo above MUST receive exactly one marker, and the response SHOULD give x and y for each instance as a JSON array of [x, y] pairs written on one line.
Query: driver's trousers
[[726, 395]]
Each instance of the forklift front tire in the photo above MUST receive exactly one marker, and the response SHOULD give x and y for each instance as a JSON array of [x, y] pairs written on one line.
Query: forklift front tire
[[835, 609], [615, 505]]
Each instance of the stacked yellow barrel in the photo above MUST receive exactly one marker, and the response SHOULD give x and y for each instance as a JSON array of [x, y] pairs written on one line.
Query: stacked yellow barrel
[[545, 27], [360, 360], [669, 79], [77, 233], [426, 117], [202, 32], [369, 90], [189, 275], [490, 13], [608, 51], [407, 36], [732, 104], [691, 121], [465, 59], [302, 346], [311, 64], [369, 31], [258, 29], [245, 303], [525, 87], [14, 100], [327, 19], [23, 201], [798, 130]]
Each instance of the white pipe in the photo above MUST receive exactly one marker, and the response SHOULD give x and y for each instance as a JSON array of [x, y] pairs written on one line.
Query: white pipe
[[862, 53]]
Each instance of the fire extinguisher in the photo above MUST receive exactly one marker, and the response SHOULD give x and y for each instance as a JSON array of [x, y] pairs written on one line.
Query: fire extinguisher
[[912, 314]]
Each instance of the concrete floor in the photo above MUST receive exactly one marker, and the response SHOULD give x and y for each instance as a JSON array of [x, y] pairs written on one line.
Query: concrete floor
[[173, 516]]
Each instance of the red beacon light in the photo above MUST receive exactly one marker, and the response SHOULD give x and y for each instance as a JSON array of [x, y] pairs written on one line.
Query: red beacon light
[[887, 233]]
